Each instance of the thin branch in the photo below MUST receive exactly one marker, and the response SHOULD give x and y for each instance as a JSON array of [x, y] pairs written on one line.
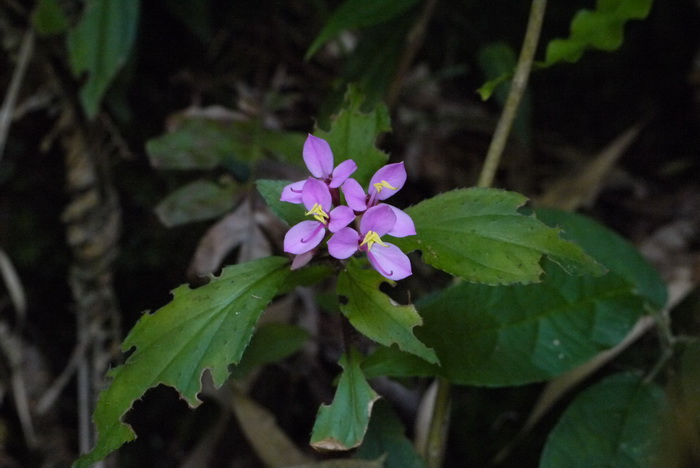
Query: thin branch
[[517, 89], [439, 423]]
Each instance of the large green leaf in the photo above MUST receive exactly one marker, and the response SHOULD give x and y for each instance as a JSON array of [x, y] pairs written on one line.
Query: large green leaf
[[204, 328], [342, 424], [271, 190], [271, 342], [602, 28], [358, 14], [479, 235], [100, 45], [614, 424], [197, 201], [376, 315], [611, 250], [511, 335], [353, 133]]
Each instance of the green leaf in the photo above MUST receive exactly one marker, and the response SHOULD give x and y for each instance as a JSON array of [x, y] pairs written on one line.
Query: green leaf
[[376, 315], [387, 436], [358, 14], [204, 328], [479, 235], [100, 45], [512, 335], [342, 424], [271, 342], [615, 423], [353, 133], [601, 29], [611, 250], [48, 18], [196, 201], [271, 190], [393, 362]]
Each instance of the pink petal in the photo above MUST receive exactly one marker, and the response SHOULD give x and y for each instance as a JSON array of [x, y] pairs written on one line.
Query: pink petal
[[302, 259], [341, 216], [292, 192], [355, 196], [389, 261], [303, 237], [343, 243], [404, 224], [315, 191], [342, 172], [318, 157], [380, 219], [393, 174]]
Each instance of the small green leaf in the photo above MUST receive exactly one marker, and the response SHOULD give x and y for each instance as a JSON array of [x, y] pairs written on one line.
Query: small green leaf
[[353, 133], [100, 45], [342, 424], [204, 328], [512, 335], [358, 14], [271, 190], [271, 342], [48, 18], [479, 235], [376, 315], [196, 201], [601, 29], [616, 423], [387, 436]]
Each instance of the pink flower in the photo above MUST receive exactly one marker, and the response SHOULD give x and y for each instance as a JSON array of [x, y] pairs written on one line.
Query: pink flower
[[304, 237], [386, 258], [319, 160]]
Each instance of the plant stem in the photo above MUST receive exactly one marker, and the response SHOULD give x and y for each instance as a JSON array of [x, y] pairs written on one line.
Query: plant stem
[[517, 89], [439, 423]]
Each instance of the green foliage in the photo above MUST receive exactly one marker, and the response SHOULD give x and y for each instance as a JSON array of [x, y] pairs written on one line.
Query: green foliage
[[197, 201], [342, 424], [48, 18], [479, 235], [387, 436], [392, 362], [100, 45], [615, 423], [353, 133], [376, 315], [204, 328], [271, 342], [358, 14], [271, 190]]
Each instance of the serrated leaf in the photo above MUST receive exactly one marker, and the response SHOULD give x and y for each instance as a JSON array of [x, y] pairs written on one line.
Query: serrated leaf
[[358, 14], [387, 436], [512, 335], [271, 342], [342, 424], [48, 18], [271, 190], [204, 328], [353, 133], [602, 28], [376, 315], [616, 423], [610, 250], [479, 235], [100, 45], [196, 201]]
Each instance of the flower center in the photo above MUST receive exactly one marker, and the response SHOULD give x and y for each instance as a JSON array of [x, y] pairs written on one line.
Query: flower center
[[372, 238], [383, 184], [318, 213]]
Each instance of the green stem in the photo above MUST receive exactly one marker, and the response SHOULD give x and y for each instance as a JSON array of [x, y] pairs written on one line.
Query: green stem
[[439, 423], [517, 89]]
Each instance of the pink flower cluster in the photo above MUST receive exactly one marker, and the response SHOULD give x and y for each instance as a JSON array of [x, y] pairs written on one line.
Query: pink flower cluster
[[320, 195]]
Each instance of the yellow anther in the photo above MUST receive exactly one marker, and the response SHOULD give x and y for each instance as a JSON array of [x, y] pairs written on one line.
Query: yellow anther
[[383, 184], [319, 214], [372, 238]]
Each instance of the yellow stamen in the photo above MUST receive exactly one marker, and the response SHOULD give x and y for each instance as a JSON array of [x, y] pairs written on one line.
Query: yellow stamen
[[372, 238], [383, 184], [318, 213]]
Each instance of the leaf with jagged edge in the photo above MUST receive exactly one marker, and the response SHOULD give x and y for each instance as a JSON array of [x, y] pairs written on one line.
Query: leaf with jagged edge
[[342, 424], [376, 315], [204, 328], [480, 235]]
